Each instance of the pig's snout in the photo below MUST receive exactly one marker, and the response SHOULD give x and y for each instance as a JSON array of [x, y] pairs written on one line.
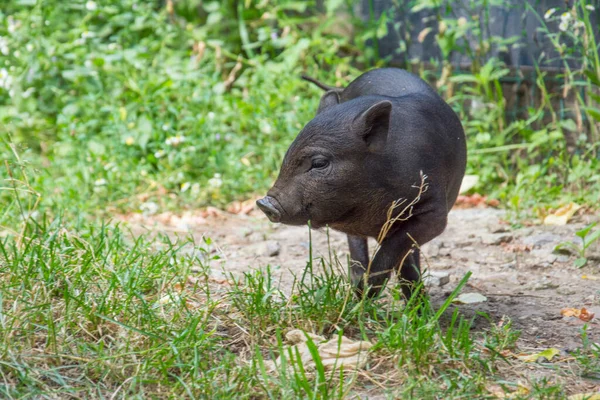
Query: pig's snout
[[267, 205]]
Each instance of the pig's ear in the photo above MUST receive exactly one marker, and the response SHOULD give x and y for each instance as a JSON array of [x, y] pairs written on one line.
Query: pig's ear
[[374, 123], [329, 99]]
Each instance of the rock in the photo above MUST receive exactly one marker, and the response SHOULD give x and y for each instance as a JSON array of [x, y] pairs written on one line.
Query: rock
[[498, 239], [436, 278], [566, 291], [255, 237], [499, 229], [270, 248], [542, 240], [510, 265], [545, 284]]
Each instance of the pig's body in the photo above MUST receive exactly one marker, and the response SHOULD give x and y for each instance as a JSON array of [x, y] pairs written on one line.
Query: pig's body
[[365, 149]]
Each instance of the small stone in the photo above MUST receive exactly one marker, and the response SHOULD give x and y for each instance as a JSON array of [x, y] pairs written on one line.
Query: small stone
[[566, 291], [544, 285], [499, 229], [542, 239], [270, 248], [436, 278], [496, 240]]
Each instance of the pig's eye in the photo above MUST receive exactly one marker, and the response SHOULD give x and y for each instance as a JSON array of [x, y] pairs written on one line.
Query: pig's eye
[[319, 163]]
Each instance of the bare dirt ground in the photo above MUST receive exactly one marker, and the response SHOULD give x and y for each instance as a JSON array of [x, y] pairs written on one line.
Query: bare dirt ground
[[515, 269]]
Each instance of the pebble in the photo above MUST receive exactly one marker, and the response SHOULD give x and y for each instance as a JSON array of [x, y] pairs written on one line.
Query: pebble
[[545, 284], [270, 248], [496, 240], [436, 278], [543, 239]]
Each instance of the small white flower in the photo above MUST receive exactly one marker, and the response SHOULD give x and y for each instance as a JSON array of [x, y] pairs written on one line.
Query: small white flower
[[563, 26], [149, 207], [5, 79], [91, 5], [165, 127], [265, 127], [13, 25], [549, 13], [215, 182], [159, 154], [100, 182], [185, 186], [211, 115], [112, 46], [462, 21], [87, 34], [17, 54], [175, 140], [578, 24], [4, 46], [29, 47], [88, 64], [565, 17], [590, 7]]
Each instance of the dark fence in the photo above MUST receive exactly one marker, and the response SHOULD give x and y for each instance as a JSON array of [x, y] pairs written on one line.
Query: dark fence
[[513, 19]]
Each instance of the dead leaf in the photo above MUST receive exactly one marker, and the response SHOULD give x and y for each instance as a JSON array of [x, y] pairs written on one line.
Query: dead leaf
[[590, 277], [497, 391], [211, 212], [423, 34], [582, 314], [562, 215], [242, 207], [475, 200], [469, 298], [517, 248], [334, 353], [585, 396], [548, 354]]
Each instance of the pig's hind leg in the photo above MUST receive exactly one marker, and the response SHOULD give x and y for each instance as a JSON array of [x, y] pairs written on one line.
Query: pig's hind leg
[[410, 273]]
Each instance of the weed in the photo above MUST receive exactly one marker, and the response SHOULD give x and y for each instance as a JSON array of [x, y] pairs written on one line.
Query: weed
[[588, 237]]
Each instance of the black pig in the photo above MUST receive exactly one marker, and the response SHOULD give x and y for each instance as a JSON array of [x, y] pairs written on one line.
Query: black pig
[[367, 147]]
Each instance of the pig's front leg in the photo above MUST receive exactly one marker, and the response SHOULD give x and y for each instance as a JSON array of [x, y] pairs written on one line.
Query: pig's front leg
[[401, 247], [359, 258]]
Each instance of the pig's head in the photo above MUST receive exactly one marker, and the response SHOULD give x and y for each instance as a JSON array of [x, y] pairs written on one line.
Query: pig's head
[[333, 167]]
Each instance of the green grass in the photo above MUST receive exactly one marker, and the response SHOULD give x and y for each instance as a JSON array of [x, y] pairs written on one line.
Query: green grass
[[91, 311], [115, 107]]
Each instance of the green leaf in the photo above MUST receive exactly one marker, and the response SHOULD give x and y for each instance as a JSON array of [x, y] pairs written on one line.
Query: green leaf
[[97, 147], [594, 112], [592, 238], [592, 76], [548, 354], [582, 233], [332, 5], [580, 262]]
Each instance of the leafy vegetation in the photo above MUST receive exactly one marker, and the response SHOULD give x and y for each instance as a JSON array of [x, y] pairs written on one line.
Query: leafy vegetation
[[119, 106]]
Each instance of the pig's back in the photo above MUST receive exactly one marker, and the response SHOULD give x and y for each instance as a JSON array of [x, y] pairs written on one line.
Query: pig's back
[[426, 133], [391, 82]]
